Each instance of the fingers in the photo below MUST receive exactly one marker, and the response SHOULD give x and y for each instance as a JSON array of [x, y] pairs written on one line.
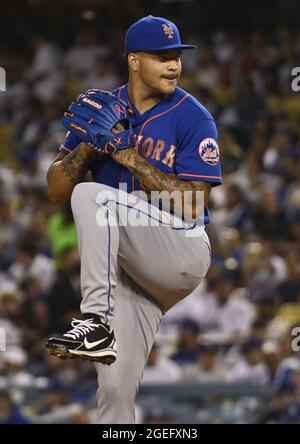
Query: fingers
[[118, 128]]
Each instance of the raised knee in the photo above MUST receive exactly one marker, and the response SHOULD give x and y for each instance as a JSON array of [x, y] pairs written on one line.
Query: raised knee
[[84, 189], [82, 193]]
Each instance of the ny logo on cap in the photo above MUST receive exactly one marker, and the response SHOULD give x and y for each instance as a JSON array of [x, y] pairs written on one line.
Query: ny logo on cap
[[168, 30]]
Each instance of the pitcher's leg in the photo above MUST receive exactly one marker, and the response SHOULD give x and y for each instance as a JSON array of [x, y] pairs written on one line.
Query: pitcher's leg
[[91, 338], [164, 262], [136, 321], [98, 240], [160, 260]]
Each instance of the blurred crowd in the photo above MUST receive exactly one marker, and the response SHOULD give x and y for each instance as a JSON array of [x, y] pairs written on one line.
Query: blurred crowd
[[239, 325]]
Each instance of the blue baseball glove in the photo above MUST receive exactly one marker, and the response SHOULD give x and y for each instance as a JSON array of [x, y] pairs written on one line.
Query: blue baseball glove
[[93, 117]]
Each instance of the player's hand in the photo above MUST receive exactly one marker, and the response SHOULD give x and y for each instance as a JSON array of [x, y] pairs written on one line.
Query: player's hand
[[101, 120], [118, 128]]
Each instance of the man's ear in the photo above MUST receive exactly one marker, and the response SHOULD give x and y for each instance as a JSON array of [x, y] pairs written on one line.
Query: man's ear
[[133, 61]]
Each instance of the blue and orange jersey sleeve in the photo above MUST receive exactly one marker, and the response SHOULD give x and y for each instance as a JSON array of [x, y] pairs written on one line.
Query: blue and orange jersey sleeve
[[70, 143], [198, 156]]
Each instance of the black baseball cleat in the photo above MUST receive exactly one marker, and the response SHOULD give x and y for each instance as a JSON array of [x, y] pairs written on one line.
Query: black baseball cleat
[[88, 339]]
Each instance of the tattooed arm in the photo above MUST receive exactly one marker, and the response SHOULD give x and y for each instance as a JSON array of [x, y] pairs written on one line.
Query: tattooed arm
[[153, 179], [67, 171]]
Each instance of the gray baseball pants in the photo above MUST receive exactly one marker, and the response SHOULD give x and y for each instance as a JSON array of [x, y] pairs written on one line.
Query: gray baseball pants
[[134, 266]]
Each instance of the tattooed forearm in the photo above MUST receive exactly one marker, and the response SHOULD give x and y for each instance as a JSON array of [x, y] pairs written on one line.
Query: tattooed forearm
[[67, 171], [153, 179], [74, 165]]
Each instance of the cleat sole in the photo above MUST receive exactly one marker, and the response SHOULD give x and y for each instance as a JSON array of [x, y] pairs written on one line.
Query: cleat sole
[[107, 357]]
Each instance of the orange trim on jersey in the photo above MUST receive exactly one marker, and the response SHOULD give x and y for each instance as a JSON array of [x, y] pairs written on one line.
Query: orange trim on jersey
[[130, 110], [119, 91], [65, 148], [200, 175], [119, 96], [164, 112], [73, 125], [155, 117]]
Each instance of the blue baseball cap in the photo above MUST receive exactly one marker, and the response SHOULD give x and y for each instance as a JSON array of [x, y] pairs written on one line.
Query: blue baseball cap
[[153, 34]]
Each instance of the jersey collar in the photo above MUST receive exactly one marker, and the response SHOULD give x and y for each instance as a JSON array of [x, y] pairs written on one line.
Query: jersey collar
[[136, 117]]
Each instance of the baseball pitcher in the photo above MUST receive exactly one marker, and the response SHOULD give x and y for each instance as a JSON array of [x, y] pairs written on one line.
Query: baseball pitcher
[[140, 254]]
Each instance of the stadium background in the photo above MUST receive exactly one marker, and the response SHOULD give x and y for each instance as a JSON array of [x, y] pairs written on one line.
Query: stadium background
[[224, 355]]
